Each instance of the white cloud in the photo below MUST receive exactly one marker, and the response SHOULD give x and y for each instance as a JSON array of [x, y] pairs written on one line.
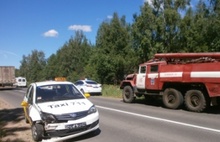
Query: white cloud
[[6, 54], [150, 2], [51, 33], [109, 17], [84, 28]]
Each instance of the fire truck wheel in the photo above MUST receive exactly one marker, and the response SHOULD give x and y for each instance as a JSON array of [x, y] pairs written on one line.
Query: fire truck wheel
[[128, 94], [37, 131], [172, 98], [195, 101]]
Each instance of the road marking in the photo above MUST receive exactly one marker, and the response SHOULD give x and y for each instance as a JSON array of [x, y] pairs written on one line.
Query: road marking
[[161, 119], [22, 91]]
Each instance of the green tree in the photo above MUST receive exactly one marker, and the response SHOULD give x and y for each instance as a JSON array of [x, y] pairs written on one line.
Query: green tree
[[113, 49], [187, 25], [156, 29], [213, 36], [71, 58], [162, 26], [144, 33], [51, 69], [32, 66]]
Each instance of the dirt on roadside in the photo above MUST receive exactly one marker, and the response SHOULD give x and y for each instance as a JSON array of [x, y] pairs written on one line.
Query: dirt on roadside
[[12, 124]]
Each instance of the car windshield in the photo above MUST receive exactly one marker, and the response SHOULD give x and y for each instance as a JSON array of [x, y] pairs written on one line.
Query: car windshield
[[57, 92], [91, 82]]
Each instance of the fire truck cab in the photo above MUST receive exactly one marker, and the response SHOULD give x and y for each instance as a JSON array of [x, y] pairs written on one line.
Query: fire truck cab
[[192, 79]]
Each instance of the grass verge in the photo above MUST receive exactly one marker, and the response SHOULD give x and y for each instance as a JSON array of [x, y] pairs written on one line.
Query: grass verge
[[111, 91]]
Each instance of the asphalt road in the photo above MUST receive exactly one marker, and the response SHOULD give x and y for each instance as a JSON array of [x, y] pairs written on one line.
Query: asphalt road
[[138, 122]]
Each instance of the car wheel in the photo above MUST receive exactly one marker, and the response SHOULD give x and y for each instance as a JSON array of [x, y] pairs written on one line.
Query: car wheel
[[37, 132]]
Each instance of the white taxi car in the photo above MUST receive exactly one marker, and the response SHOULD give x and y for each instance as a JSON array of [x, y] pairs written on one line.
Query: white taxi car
[[58, 111]]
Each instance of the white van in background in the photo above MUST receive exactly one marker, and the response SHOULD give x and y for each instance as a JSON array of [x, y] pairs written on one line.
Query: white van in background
[[21, 82]]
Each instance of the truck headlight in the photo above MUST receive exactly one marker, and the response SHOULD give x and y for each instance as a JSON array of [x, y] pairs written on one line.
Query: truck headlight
[[49, 118], [92, 110]]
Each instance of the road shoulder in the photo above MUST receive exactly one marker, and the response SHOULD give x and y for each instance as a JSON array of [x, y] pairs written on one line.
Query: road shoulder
[[12, 124]]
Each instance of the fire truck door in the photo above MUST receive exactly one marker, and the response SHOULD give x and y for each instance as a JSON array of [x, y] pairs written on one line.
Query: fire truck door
[[141, 76], [152, 81]]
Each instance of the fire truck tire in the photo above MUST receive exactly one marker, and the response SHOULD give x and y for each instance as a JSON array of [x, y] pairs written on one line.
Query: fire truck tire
[[128, 94], [172, 98], [37, 132], [195, 101]]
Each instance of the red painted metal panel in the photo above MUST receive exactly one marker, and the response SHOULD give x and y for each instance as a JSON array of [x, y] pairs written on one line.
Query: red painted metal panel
[[213, 89]]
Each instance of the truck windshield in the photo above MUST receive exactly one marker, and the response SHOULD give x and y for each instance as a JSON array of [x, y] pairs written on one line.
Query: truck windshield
[[57, 92]]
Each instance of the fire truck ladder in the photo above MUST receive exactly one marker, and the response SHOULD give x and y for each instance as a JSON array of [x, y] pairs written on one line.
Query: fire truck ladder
[[186, 58]]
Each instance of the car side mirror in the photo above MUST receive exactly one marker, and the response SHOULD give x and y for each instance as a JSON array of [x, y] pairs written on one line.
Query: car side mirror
[[24, 104], [87, 95]]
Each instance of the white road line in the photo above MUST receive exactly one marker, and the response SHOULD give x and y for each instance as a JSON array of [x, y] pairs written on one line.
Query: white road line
[[161, 119], [22, 91]]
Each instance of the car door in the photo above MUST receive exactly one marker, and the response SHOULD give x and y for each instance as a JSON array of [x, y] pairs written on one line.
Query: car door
[[79, 85], [29, 99], [152, 77]]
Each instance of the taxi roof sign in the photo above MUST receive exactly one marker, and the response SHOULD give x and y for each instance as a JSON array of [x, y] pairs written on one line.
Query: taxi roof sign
[[60, 79]]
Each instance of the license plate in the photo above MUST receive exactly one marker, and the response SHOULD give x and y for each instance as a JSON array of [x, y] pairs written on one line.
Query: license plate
[[75, 126]]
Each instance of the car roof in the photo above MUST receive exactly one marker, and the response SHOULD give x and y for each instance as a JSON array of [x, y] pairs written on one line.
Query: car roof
[[51, 83], [20, 77], [86, 80]]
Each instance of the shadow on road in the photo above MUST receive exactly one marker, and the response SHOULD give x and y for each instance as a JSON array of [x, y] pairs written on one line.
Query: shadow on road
[[86, 136], [157, 102], [11, 116]]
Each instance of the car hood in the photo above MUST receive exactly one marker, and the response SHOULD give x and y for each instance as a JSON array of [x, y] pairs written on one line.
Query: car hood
[[66, 106]]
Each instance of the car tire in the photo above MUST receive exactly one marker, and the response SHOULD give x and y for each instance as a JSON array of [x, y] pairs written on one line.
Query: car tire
[[37, 132]]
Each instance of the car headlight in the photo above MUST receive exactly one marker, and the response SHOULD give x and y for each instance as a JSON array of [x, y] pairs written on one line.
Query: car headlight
[[92, 110], [49, 118]]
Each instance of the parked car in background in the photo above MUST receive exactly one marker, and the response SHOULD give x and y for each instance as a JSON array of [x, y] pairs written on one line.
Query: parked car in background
[[89, 86], [21, 82], [58, 111]]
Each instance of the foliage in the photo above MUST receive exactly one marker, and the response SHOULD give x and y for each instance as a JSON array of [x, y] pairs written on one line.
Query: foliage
[[32, 66], [160, 27], [113, 50]]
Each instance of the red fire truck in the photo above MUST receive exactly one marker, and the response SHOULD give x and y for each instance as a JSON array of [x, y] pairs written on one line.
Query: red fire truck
[[192, 79]]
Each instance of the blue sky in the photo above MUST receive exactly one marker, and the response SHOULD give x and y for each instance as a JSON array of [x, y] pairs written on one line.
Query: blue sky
[[46, 25]]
